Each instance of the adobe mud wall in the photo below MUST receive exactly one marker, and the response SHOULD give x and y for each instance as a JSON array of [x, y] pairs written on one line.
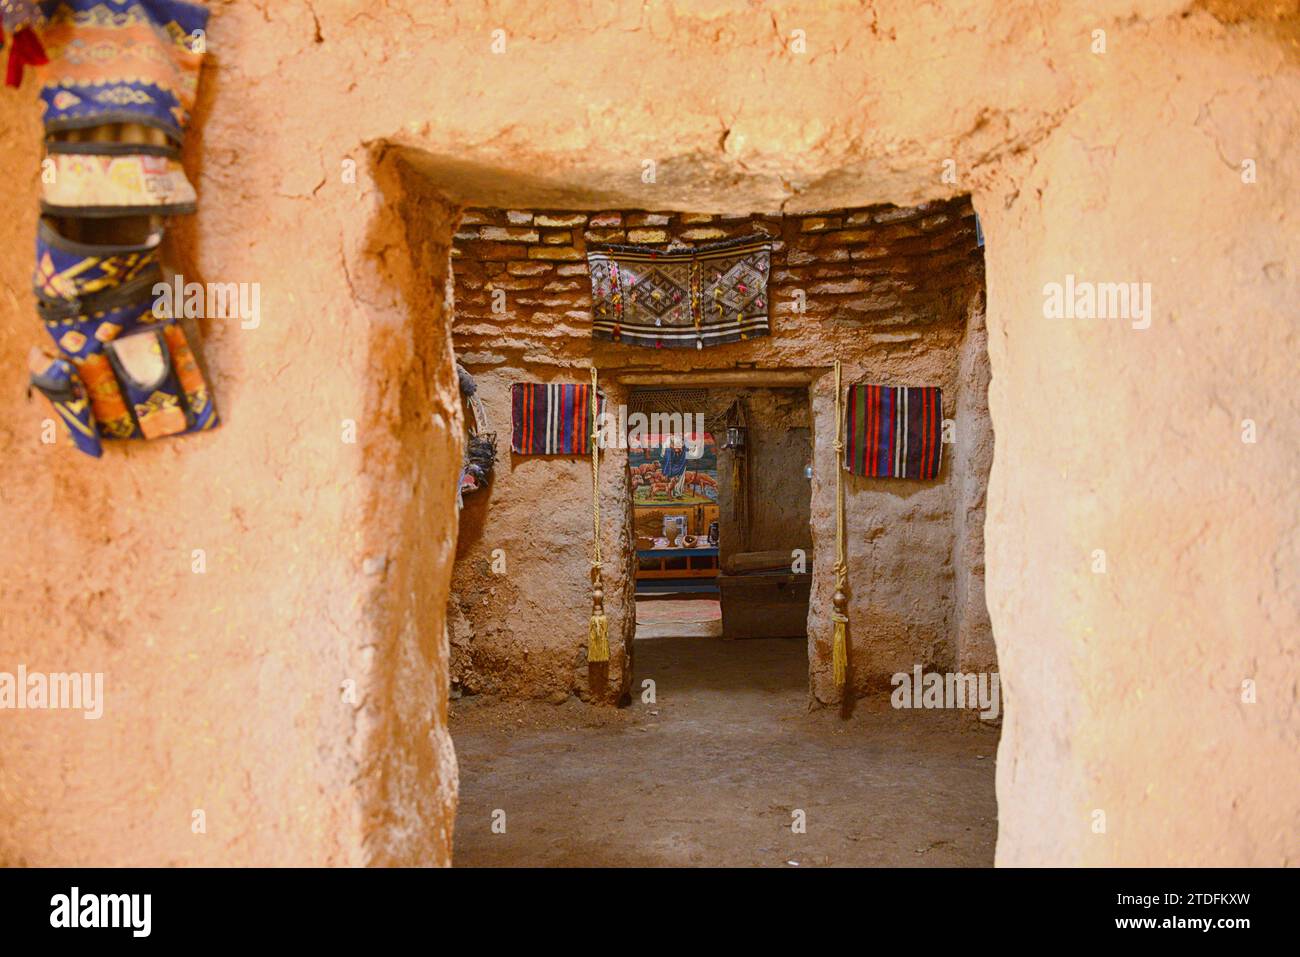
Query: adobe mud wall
[[1123, 690], [780, 445], [888, 291], [265, 601], [971, 458]]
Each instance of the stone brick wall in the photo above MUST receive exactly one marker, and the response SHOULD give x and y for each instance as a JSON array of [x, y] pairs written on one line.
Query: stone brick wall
[[890, 292], [882, 268]]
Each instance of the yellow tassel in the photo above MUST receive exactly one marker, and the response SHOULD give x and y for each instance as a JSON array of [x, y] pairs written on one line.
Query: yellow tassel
[[598, 638], [840, 649]]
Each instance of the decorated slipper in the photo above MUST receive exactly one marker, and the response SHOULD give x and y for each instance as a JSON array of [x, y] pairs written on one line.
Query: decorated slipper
[[87, 295], [69, 272], [121, 61], [198, 397], [115, 179], [57, 380], [143, 366]]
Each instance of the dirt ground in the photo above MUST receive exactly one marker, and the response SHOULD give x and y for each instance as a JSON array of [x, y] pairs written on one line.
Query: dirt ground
[[711, 773]]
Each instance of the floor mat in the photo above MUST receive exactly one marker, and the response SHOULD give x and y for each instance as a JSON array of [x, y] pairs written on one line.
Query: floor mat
[[686, 611]]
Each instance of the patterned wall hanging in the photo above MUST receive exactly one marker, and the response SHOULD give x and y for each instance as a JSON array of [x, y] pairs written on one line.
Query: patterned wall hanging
[[681, 298], [893, 432], [552, 419]]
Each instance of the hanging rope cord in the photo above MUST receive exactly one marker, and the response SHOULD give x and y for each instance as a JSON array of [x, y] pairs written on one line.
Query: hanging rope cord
[[595, 481], [598, 629], [839, 616]]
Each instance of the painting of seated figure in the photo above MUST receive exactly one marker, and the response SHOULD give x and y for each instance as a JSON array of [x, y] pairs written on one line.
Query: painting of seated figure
[[675, 470]]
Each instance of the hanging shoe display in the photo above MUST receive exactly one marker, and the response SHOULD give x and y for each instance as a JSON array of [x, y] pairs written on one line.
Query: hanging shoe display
[[116, 97]]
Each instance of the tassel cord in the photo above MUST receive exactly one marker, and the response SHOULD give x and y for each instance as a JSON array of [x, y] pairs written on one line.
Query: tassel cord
[[839, 616], [598, 628]]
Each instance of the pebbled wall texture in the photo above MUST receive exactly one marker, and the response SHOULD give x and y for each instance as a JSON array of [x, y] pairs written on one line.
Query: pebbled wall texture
[[295, 691]]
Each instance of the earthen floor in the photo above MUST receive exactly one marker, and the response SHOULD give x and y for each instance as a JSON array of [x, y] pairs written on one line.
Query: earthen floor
[[713, 772]]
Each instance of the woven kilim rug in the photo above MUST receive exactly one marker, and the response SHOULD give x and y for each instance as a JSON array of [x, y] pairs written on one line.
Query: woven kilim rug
[[893, 432], [551, 419], [681, 298]]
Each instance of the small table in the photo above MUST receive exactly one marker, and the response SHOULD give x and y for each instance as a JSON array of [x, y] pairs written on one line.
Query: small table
[[700, 562]]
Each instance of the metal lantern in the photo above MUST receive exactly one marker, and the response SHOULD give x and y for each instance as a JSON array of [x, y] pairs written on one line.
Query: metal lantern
[[735, 437]]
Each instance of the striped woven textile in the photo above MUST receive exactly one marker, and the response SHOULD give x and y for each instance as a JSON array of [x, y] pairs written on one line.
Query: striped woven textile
[[893, 432], [681, 298], [551, 419]]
